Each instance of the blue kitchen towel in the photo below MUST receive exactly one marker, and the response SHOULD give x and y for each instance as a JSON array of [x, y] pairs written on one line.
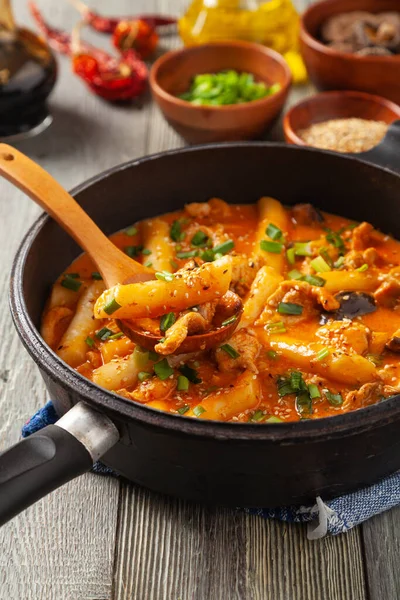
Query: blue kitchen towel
[[333, 517]]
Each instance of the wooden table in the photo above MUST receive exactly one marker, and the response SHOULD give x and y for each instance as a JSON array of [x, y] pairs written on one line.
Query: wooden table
[[100, 538]]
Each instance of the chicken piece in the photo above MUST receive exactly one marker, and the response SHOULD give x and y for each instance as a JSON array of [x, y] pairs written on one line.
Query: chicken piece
[[215, 207], [216, 234], [198, 210], [355, 259], [346, 336], [364, 236], [153, 389], [94, 357], [394, 343], [244, 270], [368, 394], [248, 348], [188, 323], [388, 293], [306, 214], [55, 323], [301, 292]]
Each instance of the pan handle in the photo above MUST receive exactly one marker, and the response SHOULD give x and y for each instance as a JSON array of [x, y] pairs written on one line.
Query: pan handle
[[49, 458], [387, 153]]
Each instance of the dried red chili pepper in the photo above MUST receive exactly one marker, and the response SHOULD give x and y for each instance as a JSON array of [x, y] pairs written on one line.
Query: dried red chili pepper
[[136, 35], [111, 78], [109, 24]]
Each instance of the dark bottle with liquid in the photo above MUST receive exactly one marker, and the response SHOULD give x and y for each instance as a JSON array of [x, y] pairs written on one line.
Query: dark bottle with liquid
[[27, 75]]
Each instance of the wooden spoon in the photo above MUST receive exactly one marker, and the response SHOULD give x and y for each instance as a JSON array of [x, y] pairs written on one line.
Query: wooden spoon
[[113, 264]]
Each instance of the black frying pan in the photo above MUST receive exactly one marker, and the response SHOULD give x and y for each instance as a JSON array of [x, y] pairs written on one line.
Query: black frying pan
[[225, 463]]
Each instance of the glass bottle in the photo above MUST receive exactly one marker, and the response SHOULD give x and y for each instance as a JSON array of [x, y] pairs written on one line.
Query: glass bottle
[[27, 75], [274, 23]]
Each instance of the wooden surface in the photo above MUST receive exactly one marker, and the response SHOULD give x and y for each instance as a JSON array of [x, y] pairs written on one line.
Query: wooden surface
[[103, 539]]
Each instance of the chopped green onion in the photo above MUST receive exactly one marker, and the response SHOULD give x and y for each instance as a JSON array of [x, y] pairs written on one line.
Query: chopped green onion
[[273, 419], [291, 256], [175, 233], [285, 387], [297, 381], [333, 399], [320, 265], [133, 251], [273, 232], [229, 321], [274, 247], [207, 255], [363, 268], [339, 263], [224, 248], [257, 416], [73, 275], [326, 256], [111, 307], [276, 327], [90, 341], [335, 239], [148, 264], [218, 255], [141, 357], [230, 350], [314, 280], [289, 308], [153, 355], [295, 274], [303, 404], [131, 231], [164, 276], [199, 238], [272, 354], [322, 354], [116, 336], [190, 373], [198, 410], [313, 390], [70, 283], [183, 383], [167, 321], [104, 333], [96, 275], [183, 409], [173, 264], [302, 249], [143, 375], [188, 254], [163, 370], [146, 251]]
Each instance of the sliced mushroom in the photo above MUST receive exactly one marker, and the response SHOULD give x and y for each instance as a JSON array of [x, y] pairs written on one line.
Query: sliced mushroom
[[394, 343], [352, 305]]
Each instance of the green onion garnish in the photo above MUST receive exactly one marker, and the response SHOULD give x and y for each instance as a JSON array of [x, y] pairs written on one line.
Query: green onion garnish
[[289, 308], [133, 251], [303, 404], [90, 341], [339, 263], [190, 373], [141, 357], [273, 419], [272, 354], [173, 264], [146, 251], [313, 390], [116, 336], [111, 307], [183, 409], [257, 416], [199, 239], [164, 276], [207, 255], [131, 231], [188, 254], [70, 283], [153, 355], [285, 387], [175, 232], [276, 327], [163, 370], [73, 275], [333, 399], [224, 248], [326, 256], [198, 410], [314, 280], [302, 249], [273, 232], [167, 321], [291, 256], [297, 381], [183, 383], [363, 268], [229, 321], [104, 333], [320, 265], [230, 350], [295, 274], [322, 354], [96, 275], [274, 247], [143, 375], [148, 264], [335, 239]]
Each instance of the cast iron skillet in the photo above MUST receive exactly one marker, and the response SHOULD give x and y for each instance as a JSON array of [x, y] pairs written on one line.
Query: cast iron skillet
[[222, 463]]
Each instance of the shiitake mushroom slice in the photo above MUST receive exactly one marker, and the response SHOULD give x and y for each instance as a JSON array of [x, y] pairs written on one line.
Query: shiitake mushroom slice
[[352, 305]]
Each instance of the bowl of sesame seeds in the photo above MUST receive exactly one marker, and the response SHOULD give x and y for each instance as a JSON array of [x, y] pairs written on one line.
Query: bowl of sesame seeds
[[343, 121]]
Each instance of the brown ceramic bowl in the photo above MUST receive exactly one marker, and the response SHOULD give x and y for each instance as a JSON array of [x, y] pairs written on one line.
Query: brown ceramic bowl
[[333, 70], [171, 75], [336, 105]]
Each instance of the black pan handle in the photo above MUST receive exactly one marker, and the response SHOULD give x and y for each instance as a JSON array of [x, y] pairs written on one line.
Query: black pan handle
[[387, 153], [49, 458]]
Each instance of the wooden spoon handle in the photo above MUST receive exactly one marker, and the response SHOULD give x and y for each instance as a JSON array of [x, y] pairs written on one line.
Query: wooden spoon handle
[[20, 170]]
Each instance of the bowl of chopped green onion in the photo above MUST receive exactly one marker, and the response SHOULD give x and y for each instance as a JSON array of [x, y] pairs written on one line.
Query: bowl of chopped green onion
[[222, 91]]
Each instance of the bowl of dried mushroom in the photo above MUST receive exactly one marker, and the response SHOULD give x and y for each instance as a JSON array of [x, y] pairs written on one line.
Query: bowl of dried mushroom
[[353, 45], [342, 121]]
